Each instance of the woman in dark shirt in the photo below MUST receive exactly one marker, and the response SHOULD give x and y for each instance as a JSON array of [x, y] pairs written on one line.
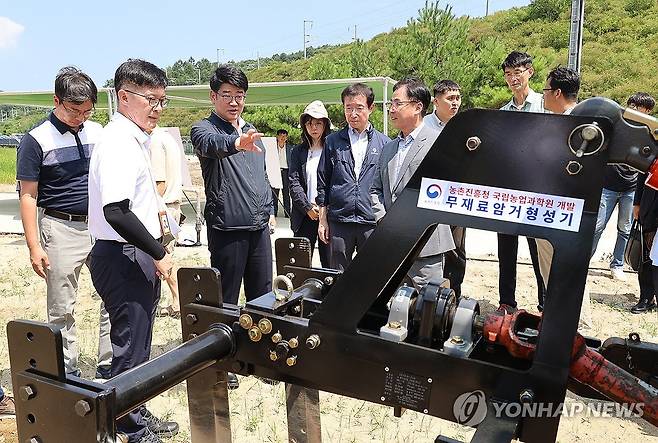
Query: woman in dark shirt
[[302, 171]]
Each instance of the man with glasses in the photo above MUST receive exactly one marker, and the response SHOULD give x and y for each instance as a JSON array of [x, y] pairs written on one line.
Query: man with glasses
[[52, 168], [517, 68], [397, 164], [345, 173], [130, 223], [239, 204]]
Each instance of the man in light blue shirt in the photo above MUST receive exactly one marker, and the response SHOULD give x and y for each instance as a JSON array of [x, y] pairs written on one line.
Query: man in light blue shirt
[[518, 70]]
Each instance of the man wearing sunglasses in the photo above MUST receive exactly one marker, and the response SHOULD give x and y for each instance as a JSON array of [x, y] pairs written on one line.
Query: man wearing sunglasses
[[239, 204], [52, 169], [126, 219], [517, 69]]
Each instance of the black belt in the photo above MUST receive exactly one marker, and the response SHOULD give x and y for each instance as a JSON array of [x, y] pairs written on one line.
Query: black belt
[[66, 216]]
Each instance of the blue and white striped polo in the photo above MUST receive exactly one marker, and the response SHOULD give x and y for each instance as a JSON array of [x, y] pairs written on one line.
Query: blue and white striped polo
[[58, 158]]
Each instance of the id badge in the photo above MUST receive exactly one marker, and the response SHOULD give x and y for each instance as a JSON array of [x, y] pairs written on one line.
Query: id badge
[[167, 236]]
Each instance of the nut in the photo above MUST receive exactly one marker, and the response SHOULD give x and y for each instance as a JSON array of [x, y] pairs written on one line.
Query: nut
[[456, 339], [26, 392], [290, 361], [255, 334], [265, 325], [190, 319], [329, 281], [245, 321], [273, 355], [394, 325], [313, 341], [293, 342], [82, 408], [277, 337]]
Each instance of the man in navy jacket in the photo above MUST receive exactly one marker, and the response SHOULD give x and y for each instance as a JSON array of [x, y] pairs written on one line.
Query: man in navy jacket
[[345, 174]]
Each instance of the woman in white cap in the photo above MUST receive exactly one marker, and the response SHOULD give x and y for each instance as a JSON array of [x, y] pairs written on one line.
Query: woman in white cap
[[302, 171]]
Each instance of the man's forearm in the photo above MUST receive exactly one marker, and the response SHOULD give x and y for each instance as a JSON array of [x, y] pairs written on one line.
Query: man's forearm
[[28, 210]]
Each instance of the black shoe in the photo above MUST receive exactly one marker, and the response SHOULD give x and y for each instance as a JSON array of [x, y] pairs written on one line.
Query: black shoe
[[643, 306], [150, 437], [232, 381], [104, 372], [268, 381], [158, 426]]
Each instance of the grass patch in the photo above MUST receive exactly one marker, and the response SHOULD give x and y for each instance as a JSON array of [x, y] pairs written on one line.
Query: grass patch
[[7, 165]]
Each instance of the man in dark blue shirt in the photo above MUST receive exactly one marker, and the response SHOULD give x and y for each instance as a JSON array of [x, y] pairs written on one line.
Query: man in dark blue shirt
[[345, 173]]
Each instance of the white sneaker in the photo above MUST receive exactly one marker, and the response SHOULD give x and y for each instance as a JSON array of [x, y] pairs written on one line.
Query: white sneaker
[[617, 274]]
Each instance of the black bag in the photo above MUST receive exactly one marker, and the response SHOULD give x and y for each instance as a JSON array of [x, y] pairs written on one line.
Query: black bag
[[635, 250]]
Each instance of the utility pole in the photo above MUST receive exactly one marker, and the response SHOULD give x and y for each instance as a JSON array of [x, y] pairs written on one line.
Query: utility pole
[[199, 69], [486, 13], [310, 22], [576, 34], [222, 50], [354, 38], [258, 59]]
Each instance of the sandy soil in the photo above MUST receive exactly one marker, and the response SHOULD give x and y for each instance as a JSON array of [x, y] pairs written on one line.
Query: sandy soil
[[258, 410]]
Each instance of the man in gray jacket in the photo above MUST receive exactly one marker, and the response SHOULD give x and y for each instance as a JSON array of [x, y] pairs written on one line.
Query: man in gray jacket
[[397, 164]]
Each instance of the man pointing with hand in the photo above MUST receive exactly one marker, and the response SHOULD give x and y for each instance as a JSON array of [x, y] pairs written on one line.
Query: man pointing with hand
[[239, 203]]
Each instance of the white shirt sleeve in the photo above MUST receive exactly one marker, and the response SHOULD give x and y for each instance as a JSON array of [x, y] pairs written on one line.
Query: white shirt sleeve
[[119, 167]]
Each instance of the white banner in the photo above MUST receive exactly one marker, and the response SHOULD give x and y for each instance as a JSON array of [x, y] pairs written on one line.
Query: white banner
[[530, 208]]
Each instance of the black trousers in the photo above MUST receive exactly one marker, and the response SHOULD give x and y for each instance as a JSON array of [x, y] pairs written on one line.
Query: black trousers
[[508, 246], [125, 278], [242, 255], [454, 267], [285, 197], [309, 229], [648, 275], [344, 239]]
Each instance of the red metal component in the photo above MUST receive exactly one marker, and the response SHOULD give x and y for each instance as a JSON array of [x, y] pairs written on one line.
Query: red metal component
[[591, 368], [587, 366], [652, 176], [499, 328]]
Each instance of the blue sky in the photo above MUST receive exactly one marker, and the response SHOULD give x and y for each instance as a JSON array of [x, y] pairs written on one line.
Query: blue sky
[[37, 38]]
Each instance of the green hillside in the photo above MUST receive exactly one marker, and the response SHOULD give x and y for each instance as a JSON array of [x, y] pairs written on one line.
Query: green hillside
[[620, 40]]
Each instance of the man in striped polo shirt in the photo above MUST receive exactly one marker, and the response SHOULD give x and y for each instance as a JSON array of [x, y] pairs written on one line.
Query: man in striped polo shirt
[[52, 167]]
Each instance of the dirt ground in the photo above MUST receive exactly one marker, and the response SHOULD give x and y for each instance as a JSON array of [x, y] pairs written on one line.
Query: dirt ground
[[258, 410]]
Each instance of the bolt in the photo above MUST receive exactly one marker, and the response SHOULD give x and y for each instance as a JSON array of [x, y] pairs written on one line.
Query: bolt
[[290, 361], [328, 281], [573, 167], [291, 245], [313, 341], [265, 325], [190, 319], [472, 143], [255, 334], [425, 411], [191, 336], [297, 309], [277, 337], [527, 396], [198, 297], [646, 150], [429, 380], [196, 277], [26, 392], [290, 275], [246, 321], [293, 342], [457, 340], [273, 355], [382, 398], [82, 408], [34, 439], [589, 133], [394, 325], [292, 261], [386, 369]]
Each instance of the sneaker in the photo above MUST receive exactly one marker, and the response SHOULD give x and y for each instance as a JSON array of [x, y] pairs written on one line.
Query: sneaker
[[232, 381], [617, 274], [7, 407], [506, 309], [158, 426], [150, 437]]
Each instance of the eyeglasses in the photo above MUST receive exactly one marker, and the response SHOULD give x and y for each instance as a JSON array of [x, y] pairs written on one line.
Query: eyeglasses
[[153, 102], [357, 109], [228, 98], [76, 113], [397, 104], [515, 74]]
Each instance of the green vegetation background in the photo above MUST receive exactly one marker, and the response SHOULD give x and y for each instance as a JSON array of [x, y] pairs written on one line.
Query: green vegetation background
[[620, 41]]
